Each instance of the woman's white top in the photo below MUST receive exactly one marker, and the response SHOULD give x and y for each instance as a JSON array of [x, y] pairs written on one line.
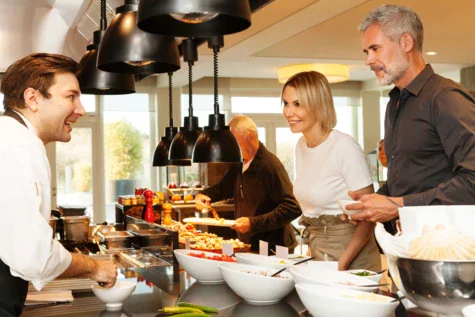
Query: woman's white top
[[325, 173], [26, 238]]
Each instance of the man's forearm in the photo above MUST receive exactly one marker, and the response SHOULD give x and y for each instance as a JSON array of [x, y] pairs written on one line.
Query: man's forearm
[[81, 266]]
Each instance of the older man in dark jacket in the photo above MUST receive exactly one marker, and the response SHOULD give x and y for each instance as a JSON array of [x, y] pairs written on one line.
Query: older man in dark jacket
[[264, 204]]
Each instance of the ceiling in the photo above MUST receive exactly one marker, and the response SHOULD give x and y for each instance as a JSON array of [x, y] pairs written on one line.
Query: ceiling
[[283, 32]]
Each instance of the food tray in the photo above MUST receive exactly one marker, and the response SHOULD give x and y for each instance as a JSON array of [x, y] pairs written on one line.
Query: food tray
[[210, 222]]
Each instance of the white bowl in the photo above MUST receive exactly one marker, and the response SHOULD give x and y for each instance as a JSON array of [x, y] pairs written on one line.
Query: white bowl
[[325, 301], [374, 277], [264, 261], [203, 270], [307, 275], [256, 289], [115, 296], [343, 202], [468, 311]]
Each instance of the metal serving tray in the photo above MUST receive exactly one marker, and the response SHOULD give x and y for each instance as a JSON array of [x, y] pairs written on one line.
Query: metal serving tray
[[150, 238], [116, 239]]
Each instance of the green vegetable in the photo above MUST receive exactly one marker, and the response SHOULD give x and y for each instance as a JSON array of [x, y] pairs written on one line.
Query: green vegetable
[[363, 273], [206, 309], [192, 315], [181, 310]]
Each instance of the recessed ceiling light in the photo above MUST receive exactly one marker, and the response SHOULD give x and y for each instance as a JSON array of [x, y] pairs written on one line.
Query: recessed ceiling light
[[431, 53]]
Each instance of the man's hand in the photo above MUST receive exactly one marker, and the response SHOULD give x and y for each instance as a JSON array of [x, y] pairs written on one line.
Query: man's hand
[[242, 225], [202, 201], [376, 208], [104, 271]]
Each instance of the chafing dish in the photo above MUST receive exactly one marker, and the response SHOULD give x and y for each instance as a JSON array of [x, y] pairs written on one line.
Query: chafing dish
[[116, 239], [150, 237]]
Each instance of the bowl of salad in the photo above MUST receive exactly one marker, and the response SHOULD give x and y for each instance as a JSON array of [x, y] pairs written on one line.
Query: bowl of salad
[[374, 276], [203, 266]]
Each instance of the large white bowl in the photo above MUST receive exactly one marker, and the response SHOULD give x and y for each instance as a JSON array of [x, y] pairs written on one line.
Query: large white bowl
[[256, 289], [375, 277], [468, 311], [115, 296], [264, 261], [307, 275], [326, 301], [203, 270]]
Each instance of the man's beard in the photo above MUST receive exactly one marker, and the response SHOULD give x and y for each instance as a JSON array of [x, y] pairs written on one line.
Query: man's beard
[[393, 73]]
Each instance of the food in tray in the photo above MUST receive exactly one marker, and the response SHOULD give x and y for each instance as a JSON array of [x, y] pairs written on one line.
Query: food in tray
[[172, 185], [176, 197], [197, 185], [371, 297], [216, 243], [264, 273], [442, 243], [184, 185], [362, 273], [210, 221], [188, 198], [220, 257]]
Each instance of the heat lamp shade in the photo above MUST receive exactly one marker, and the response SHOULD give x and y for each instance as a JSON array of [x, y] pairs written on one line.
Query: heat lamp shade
[[160, 156], [97, 82], [217, 146], [127, 49], [220, 17], [181, 148]]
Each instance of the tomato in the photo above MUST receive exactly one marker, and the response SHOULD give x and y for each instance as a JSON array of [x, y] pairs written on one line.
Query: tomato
[[217, 257]]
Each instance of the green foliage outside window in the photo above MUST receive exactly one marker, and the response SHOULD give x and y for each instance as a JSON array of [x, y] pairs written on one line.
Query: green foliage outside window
[[123, 150]]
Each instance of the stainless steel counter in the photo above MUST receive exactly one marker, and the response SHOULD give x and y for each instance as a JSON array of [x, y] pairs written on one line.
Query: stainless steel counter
[[165, 286]]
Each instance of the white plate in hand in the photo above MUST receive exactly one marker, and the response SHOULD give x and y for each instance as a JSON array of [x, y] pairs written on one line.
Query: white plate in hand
[[210, 222], [343, 202]]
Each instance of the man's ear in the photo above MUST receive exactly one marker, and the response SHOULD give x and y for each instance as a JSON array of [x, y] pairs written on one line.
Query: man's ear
[[406, 42], [31, 97]]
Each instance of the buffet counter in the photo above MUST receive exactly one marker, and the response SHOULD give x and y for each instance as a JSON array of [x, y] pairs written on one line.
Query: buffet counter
[[158, 287], [163, 286]]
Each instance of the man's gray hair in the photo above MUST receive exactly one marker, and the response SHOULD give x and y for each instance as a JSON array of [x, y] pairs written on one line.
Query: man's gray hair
[[243, 125], [396, 20]]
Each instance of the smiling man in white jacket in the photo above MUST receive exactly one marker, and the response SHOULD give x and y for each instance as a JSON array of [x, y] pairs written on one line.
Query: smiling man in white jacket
[[41, 100]]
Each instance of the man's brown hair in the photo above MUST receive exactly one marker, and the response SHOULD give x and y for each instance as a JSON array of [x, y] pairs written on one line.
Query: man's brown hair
[[35, 71]]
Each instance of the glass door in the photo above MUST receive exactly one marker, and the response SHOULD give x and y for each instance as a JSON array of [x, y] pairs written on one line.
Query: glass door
[[72, 171]]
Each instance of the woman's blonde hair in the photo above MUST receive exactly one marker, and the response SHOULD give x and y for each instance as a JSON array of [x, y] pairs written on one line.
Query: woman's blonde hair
[[314, 95]]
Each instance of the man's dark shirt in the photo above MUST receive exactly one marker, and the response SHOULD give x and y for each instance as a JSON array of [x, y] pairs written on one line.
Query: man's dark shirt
[[263, 193], [430, 142]]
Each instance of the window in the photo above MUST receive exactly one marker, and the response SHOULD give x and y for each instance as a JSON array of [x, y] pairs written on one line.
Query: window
[[127, 146], [256, 105], [203, 106], [286, 149], [261, 133], [88, 102], [74, 172], [345, 114]]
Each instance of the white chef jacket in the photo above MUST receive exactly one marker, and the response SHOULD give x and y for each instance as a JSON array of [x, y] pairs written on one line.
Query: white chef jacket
[[26, 243]]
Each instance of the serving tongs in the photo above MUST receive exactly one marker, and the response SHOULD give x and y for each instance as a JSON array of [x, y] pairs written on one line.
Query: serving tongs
[[296, 263], [213, 212]]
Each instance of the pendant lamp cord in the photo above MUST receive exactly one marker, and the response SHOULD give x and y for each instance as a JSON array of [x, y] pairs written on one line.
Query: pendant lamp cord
[[190, 88], [215, 74], [103, 15], [170, 98]]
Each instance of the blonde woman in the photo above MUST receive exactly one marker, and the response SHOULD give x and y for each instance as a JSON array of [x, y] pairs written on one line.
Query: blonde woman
[[328, 164]]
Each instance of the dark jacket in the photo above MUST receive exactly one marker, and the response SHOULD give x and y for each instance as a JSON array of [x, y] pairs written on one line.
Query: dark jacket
[[263, 193]]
